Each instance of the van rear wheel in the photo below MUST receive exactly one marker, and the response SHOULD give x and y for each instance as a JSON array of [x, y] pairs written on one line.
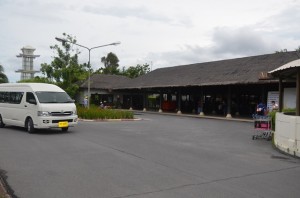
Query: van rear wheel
[[29, 125], [1, 122]]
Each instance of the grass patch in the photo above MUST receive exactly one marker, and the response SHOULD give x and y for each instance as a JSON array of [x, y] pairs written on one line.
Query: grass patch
[[95, 112]]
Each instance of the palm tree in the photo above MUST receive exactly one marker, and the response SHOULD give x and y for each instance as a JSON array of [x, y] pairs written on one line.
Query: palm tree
[[3, 77]]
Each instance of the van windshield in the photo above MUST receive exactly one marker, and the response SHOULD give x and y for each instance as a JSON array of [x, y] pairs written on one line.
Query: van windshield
[[53, 97]]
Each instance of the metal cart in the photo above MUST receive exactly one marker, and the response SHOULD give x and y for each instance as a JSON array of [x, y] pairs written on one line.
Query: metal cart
[[262, 127]]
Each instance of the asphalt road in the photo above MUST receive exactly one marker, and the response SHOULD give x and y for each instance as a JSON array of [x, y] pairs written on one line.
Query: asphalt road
[[157, 157]]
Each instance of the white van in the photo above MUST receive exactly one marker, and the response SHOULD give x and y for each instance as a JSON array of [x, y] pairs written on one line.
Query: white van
[[36, 106]]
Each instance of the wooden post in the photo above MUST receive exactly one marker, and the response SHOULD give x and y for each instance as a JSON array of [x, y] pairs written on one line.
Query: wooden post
[[145, 101], [229, 102], [298, 94], [201, 113], [179, 101], [160, 101], [131, 103], [280, 105]]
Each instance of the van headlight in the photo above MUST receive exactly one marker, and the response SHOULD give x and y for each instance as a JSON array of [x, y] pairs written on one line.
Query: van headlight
[[44, 113]]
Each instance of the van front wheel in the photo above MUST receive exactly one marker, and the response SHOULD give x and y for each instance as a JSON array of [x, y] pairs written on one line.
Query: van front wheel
[[1, 122], [29, 126]]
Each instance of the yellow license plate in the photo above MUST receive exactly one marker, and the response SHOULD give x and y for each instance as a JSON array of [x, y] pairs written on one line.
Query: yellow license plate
[[63, 124]]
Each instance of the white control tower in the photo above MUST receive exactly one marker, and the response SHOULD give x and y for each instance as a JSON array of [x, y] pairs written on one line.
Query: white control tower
[[27, 71]]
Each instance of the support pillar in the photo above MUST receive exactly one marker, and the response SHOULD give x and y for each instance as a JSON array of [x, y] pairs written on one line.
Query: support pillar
[[280, 105], [179, 101], [160, 102], [229, 102], [144, 101], [237, 113], [130, 103], [298, 94], [263, 95], [201, 113]]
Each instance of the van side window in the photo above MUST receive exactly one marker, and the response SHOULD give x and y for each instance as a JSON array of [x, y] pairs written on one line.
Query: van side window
[[3, 97], [30, 98], [16, 97], [11, 97]]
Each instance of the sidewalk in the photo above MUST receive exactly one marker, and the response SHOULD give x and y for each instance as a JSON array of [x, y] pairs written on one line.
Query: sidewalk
[[216, 117]]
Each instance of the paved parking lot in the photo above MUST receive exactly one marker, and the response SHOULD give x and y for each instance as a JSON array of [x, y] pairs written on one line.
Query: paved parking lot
[[159, 156]]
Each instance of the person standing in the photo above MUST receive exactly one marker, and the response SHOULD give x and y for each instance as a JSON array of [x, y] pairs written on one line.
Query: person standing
[[101, 105], [274, 106], [85, 102], [261, 109]]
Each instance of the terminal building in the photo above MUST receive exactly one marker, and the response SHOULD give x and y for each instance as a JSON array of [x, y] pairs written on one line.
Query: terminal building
[[225, 87]]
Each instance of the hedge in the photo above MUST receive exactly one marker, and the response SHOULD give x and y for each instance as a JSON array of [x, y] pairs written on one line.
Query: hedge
[[95, 112]]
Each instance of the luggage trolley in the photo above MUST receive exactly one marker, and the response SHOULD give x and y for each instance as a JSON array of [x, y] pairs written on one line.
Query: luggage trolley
[[262, 127]]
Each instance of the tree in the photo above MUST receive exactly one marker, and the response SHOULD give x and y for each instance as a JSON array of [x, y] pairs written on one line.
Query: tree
[[64, 70], [138, 70], [3, 77], [111, 64]]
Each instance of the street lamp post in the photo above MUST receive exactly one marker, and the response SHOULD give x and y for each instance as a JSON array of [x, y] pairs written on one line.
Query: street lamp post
[[89, 64]]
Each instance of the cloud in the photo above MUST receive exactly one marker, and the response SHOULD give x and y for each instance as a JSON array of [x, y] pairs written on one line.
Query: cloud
[[138, 12], [186, 54], [124, 12], [157, 31], [3, 2], [276, 32], [241, 41], [284, 24], [225, 43], [33, 10]]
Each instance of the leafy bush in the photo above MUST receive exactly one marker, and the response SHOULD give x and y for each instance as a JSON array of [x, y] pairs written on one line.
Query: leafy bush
[[289, 111], [95, 112], [272, 114]]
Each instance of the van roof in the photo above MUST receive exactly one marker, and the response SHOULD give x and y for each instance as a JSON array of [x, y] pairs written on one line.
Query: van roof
[[34, 86]]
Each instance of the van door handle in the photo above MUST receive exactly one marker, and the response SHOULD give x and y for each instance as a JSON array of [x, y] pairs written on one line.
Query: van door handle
[[25, 105]]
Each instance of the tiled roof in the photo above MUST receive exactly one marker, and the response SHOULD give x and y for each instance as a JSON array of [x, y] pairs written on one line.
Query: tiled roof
[[289, 65], [103, 81], [245, 70], [224, 72]]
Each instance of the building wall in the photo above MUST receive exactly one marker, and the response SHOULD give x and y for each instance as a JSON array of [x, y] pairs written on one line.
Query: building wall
[[289, 98]]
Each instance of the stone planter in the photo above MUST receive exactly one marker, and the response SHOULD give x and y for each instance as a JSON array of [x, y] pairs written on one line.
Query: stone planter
[[287, 134]]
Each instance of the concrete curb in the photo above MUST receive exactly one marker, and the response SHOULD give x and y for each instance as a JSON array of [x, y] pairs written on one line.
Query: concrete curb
[[109, 120], [3, 187], [196, 116], [170, 114]]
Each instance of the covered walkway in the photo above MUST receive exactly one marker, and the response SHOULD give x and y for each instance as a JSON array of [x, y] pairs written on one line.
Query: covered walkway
[[225, 88]]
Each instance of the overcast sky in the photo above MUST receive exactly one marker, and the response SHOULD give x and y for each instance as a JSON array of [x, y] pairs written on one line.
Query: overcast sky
[[162, 33]]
